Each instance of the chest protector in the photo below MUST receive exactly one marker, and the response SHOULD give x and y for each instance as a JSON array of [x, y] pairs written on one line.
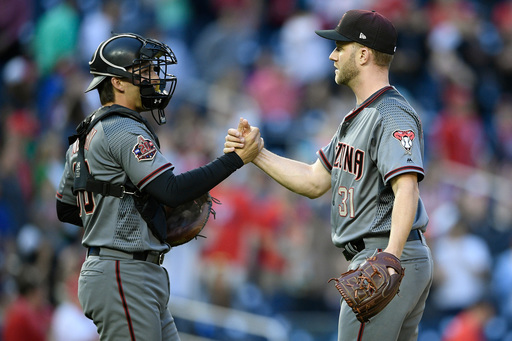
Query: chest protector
[[149, 208]]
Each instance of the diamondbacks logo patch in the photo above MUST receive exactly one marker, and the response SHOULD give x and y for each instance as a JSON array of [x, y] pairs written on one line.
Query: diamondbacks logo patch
[[144, 150], [405, 137]]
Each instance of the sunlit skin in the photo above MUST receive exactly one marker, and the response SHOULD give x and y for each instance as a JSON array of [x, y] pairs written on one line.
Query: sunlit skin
[[343, 57]]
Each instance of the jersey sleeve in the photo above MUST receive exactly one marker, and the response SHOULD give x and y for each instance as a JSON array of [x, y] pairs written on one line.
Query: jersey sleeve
[[397, 143], [327, 154], [65, 189], [133, 147]]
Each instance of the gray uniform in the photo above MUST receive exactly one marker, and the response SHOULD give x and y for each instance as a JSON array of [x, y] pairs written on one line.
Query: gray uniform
[[126, 297], [378, 140]]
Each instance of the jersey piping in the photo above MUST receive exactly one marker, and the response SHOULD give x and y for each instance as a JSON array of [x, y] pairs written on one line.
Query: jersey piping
[[152, 174], [401, 170], [367, 103]]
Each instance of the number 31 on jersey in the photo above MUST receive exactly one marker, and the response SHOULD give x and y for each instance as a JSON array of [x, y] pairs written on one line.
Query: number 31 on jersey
[[346, 205]]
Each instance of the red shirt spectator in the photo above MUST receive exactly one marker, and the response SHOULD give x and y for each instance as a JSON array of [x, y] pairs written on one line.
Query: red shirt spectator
[[25, 321]]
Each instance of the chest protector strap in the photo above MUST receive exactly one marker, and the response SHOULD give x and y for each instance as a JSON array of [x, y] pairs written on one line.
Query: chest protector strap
[[150, 210]]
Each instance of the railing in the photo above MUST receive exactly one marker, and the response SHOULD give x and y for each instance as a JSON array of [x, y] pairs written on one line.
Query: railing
[[230, 319]]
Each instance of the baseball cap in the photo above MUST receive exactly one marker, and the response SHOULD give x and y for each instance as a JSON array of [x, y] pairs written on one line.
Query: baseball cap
[[367, 28]]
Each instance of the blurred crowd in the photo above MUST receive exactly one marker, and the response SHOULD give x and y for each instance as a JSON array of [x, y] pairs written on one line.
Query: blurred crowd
[[268, 251]]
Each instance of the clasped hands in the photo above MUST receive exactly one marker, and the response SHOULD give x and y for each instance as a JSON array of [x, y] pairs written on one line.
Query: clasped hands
[[246, 141]]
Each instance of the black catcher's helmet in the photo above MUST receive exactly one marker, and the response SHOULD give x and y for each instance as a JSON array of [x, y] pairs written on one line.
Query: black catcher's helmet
[[121, 52]]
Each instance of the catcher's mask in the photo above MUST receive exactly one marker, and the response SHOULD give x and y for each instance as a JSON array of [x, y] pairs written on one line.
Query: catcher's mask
[[141, 60]]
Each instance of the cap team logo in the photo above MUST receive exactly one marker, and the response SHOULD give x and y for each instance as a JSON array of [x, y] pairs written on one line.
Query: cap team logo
[[405, 137], [144, 150]]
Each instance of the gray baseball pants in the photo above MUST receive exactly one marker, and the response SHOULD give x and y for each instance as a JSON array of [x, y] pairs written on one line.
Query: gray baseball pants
[[127, 299], [400, 319]]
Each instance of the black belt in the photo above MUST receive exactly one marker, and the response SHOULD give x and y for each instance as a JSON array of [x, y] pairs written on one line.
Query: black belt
[[147, 256], [356, 246]]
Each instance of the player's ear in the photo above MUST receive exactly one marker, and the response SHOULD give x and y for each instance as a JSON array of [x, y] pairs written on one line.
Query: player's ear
[[117, 83], [364, 55]]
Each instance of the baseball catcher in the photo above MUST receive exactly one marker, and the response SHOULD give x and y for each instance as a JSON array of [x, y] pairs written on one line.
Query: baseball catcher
[[369, 288], [119, 186]]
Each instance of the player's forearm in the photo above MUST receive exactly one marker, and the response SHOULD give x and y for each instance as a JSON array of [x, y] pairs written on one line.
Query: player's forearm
[[294, 175], [402, 218]]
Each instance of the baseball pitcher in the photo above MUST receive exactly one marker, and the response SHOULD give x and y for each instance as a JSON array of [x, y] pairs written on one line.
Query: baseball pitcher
[[372, 165]]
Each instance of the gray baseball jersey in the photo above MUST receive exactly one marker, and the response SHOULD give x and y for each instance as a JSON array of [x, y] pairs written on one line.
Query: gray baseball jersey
[[116, 148], [376, 141]]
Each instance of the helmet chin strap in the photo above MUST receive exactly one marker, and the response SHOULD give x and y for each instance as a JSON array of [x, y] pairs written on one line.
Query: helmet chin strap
[[161, 117]]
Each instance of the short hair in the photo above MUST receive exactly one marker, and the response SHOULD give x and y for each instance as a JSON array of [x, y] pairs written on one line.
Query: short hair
[[106, 91], [381, 59]]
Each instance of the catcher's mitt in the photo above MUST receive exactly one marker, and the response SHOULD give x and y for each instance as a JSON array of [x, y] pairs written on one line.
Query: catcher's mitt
[[369, 288], [186, 221]]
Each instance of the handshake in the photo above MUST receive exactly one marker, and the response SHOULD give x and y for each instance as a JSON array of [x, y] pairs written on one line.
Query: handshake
[[246, 141]]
